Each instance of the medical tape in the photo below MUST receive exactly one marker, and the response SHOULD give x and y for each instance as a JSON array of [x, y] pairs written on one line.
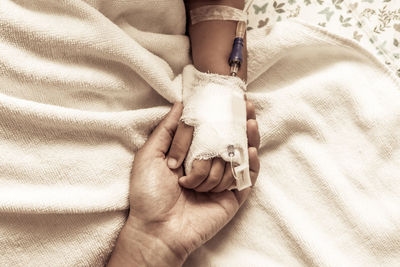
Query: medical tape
[[215, 106], [217, 12]]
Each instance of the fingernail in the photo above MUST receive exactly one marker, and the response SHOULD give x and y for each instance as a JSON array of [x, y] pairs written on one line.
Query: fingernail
[[172, 163]]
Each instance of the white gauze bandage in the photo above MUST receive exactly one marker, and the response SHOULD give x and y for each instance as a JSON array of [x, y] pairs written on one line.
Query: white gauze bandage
[[214, 105]]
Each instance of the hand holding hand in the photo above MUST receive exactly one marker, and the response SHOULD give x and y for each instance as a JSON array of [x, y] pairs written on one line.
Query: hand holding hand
[[167, 222], [214, 175]]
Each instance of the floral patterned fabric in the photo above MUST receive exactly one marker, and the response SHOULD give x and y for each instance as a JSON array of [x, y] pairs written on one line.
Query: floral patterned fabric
[[375, 24]]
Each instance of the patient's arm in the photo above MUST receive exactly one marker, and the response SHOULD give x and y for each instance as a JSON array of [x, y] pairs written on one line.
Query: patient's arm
[[211, 43]]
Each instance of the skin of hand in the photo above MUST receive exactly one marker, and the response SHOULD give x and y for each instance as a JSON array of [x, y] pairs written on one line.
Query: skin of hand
[[211, 44], [213, 175], [167, 222]]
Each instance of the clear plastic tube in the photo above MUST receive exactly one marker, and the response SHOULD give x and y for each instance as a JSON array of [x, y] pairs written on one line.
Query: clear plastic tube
[[241, 29]]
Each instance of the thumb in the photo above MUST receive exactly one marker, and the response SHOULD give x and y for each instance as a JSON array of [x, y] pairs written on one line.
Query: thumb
[[161, 138]]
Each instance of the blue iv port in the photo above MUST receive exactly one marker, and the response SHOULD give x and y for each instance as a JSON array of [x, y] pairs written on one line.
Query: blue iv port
[[237, 54]]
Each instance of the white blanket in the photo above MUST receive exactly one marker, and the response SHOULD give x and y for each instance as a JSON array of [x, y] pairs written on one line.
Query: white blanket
[[82, 83]]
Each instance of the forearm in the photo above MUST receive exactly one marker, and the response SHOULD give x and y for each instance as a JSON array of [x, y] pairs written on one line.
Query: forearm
[[212, 41]]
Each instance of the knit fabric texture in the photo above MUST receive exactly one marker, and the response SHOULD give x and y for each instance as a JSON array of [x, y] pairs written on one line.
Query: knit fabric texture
[[83, 84]]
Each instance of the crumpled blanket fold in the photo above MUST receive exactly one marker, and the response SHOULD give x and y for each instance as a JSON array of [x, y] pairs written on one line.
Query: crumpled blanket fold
[[83, 83]]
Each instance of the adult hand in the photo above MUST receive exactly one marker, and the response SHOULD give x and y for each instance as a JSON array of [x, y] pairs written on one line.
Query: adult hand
[[167, 222]]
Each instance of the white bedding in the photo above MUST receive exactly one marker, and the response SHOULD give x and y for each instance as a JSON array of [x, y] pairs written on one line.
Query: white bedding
[[83, 83]]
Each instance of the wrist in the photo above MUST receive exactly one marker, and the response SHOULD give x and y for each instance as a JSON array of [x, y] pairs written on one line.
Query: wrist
[[137, 247]]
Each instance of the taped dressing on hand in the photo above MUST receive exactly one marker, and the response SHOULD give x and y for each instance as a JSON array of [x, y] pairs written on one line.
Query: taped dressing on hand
[[214, 105]]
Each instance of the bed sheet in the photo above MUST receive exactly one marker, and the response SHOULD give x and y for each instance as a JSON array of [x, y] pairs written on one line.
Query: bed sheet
[[375, 24]]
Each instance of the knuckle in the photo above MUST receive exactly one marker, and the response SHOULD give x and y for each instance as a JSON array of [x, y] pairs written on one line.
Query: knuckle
[[213, 180], [200, 171], [190, 182], [250, 105], [177, 148], [168, 129], [252, 123]]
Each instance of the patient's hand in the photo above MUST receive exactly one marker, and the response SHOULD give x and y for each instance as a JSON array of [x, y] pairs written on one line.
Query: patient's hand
[[167, 222], [208, 175]]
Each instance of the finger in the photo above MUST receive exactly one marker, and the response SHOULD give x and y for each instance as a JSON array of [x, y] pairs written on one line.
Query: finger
[[161, 138], [199, 172], [250, 110], [226, 181], [215, 176], [253, 135], [254, 163], [180, 145]]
